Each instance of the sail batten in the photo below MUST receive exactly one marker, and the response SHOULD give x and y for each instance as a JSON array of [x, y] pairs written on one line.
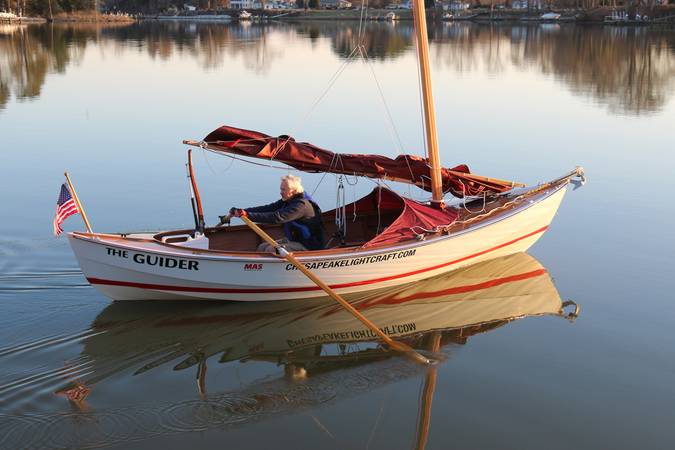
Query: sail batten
[[307, 157]]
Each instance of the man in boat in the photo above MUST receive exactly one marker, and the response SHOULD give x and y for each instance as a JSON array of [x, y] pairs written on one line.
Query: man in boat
[[299, 214]]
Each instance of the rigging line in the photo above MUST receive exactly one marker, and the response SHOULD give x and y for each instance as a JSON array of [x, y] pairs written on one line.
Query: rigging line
[[362, 19], [328, 433], [397, 140], [331, 81], [322, 427], [358, 36], [375, 425], [208, 163], [343, 214], [356, 179], [391, 126], [480, 211], [380, 182], [204, 145], [340, 210], [330, 166], [338, 158], [490, 212], [354, 205], [253, 162], [319, 183]]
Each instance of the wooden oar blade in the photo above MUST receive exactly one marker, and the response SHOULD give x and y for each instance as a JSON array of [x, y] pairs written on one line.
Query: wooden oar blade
[[420, 356]]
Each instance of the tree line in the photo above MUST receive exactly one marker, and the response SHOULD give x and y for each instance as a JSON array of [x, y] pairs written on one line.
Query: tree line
[[42, 7], [628, 70]]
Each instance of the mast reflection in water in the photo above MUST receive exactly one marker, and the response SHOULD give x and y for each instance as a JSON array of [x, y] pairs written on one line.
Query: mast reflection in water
[[312, 353]]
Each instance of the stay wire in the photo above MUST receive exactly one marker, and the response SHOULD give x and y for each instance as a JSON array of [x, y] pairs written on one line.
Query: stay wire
[[391, 127], [362, 16], [211, 169], [287, 168], [376, 424], [331, 81], [300, 123]]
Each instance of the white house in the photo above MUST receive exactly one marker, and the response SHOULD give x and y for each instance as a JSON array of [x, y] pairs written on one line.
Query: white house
[[242, 4], [456, 6], [276, 5], [524, 4], [187, 7], [335, 4]]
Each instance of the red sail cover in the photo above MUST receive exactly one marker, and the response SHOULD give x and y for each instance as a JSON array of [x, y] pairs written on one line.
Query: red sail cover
[[408, 217], [310, 158]]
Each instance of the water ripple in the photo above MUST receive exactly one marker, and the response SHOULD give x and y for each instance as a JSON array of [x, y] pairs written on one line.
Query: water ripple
[[201, 415], [37, 281], [20, 429], [88, 428], [85, 431], [48, 341], [32, 381]]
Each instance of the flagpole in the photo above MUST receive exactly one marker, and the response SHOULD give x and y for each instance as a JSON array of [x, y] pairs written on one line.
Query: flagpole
[[77, 202]]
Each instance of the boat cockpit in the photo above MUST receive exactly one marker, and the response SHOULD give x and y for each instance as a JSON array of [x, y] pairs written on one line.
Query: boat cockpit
[[365, 220], [381, 218]]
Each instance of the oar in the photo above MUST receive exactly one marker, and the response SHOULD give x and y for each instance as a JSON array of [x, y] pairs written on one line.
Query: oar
[[398, 346]]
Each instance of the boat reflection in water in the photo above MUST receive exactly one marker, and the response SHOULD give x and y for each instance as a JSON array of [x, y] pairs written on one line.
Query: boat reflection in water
[[311, 340]]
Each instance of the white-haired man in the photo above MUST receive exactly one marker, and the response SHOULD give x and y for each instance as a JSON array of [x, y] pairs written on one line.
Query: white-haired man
[[299, 214]]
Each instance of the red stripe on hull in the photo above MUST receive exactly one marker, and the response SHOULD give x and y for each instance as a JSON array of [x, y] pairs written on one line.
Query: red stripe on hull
[[308, 288], [394, 300]]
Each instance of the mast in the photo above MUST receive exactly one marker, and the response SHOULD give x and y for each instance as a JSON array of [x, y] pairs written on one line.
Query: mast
[[420, 21]]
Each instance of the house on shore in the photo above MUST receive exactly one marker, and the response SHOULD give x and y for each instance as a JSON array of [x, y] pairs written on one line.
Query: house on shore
[[335, 4], [243, 4], [455, 6], [527, 4]]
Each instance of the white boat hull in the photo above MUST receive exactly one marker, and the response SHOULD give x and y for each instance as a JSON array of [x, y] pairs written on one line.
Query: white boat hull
[[150, 271]]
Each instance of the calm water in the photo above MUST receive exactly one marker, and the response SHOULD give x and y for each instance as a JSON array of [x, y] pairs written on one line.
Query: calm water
[[111, 105]]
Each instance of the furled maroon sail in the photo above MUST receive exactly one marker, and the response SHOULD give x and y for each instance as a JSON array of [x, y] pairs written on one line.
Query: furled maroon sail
[[310, 158]]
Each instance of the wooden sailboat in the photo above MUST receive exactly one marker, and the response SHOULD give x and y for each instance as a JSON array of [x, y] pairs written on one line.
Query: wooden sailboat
[[393, 241]]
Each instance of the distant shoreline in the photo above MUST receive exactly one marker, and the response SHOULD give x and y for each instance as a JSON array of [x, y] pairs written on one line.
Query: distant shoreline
[[77, 17], [89, 17], [482, 15]]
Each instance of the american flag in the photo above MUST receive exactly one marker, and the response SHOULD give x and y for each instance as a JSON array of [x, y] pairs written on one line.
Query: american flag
[[65, 207]]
